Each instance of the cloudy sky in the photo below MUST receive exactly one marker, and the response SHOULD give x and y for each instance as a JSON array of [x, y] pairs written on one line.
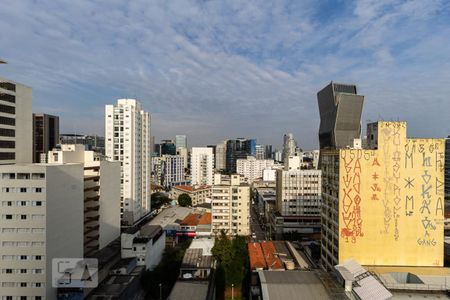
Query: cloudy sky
[[222, 69]]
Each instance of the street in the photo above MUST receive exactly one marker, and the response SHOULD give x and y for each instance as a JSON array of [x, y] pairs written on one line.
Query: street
[[255, 225]]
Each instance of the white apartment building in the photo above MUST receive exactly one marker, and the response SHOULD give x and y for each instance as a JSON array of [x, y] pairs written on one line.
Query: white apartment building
[[16, 123], [252, 168], [199, 194], [172, 170], [260, 152], [202, 162], [101, 195], [230, 208], [221, 156], [41, 219], [127, 139], [289, 146], [293, 162], [183, 152]]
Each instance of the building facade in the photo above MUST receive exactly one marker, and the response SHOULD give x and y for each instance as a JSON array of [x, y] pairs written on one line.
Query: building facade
[[340, 109], [289, 146], [236, 149], [202, 166], [387, 196], [127, 138], [180, 141], [260, 152], [45, 135], [16, 125], [172, 170], [91, 142], [199, 194], [230, 208], [252, 168], [221, 156], [38, 224]]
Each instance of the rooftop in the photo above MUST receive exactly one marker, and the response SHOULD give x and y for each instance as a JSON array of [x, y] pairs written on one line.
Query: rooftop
[[191, 219], [205, 219], [194, 258], [190, 188], [171, 215], [183, 290]]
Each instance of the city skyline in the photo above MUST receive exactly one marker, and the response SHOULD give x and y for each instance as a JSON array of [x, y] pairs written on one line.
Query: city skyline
[[214, 71]]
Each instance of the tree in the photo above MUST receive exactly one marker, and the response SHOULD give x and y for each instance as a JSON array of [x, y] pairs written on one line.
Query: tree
[[158, 199], [184, 200]]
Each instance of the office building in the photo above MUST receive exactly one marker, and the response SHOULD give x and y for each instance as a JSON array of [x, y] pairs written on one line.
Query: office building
[[289, 146], [340, 109], [180, 141], [236, 149], [202, 166], [45, 135], [127, 137], [168, 147], [230, 207], [252, 168], [268, 152], [260, 152], [298, 202], [183, 152], [101, 195], [92, 142], [41, 218], [389, 196], [221, 156], [16, 125], [172, 169], [278, 156]]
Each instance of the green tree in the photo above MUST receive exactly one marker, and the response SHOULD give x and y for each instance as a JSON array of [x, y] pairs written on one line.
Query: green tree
[[184, 200], [158, 199]]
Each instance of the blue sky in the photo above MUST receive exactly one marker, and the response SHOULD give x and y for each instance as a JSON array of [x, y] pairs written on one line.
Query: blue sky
[[222, 69]]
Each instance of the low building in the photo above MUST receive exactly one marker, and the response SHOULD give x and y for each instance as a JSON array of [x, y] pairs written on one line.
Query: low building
[[146, 245], [252, 168], [196, 224], [199, 194], [266, 201]]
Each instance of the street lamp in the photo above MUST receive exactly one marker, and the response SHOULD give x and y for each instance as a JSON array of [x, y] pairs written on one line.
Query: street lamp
[[232, 291], [160, 291]]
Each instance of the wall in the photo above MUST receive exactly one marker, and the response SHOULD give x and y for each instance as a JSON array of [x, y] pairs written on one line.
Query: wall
[[391, 200]]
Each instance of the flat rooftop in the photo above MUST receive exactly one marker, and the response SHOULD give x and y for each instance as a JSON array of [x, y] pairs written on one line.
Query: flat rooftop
[[171, 215], [184, 290]]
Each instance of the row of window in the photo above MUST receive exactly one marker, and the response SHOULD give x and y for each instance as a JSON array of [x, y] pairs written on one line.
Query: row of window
[[23, 203], [7, 97], [22, 217], [23, 284], [22, 271], [24, 243], [22, 190], [22, 257], [7, 144], [7, 109], [23, 230], [33, 176], [8, 86], [7, 155], [23, 298], [7, 121]]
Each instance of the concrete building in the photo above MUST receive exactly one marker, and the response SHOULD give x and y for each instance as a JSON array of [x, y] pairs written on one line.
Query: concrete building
[[268, 152], [172, 170], [221, 156], [278, 155], [388, 196], [260, 152], [45, 135], [101, 195], [199, 193], [202, 166], [230, 207], [236, 149], [127, 134], [146, 245], [269, 174], [183, 152], [92, 142], [293, 162], [16, 125], [340, 109], [252, 168], [180, 141], [298, 202], [41, 218], [289, 146]]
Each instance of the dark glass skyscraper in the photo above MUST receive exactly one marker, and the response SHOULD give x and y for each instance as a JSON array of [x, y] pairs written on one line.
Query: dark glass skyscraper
[[340, 115], [45, 134], [236, 149]]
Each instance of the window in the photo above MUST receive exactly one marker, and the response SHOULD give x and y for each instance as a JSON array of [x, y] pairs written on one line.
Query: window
[[23, 271], [23, 297], [38, 257], [38, 190], [23, 190], [8, 217], [8, 271], [23, 217], [23, 257], [23, 284]]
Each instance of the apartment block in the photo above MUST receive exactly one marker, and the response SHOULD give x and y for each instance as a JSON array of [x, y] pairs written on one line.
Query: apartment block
[[202, 161], [199, 194], [101, 195], [42, 214], [230, 207], [127, 140], [384, 205], [253, 168], [221, 156], [16, 126], [172, 170], [45, 136], [298, 202]]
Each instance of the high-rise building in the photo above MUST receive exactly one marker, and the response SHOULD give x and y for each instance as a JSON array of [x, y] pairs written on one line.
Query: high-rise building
[[42, 218], [168, 147], [180, 141], [289, 145], [340, 109], [278, 155], [260, 152], [298, 202], [16, 126], [183, 152], [238, 148], [172, 170], [221, 156], [230, 207], [269, 152], [45, 135], [202, 166], [387, 196], [127, 136], [252, 168]]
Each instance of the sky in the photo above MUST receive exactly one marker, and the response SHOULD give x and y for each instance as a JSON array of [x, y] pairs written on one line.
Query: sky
[[215, 70]]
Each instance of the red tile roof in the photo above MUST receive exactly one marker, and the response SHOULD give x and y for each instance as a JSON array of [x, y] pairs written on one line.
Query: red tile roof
[[190, 188], [205, 219], [256, 255], [191, 220], [272, 261]]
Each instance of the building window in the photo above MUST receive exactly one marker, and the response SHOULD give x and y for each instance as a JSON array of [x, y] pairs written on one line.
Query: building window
[[23, 217]]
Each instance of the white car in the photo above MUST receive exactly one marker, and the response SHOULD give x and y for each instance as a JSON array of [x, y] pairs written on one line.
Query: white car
[[253, 235]]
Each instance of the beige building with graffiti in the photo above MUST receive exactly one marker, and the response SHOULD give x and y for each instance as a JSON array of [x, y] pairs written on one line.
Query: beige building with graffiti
[[384, 205]]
